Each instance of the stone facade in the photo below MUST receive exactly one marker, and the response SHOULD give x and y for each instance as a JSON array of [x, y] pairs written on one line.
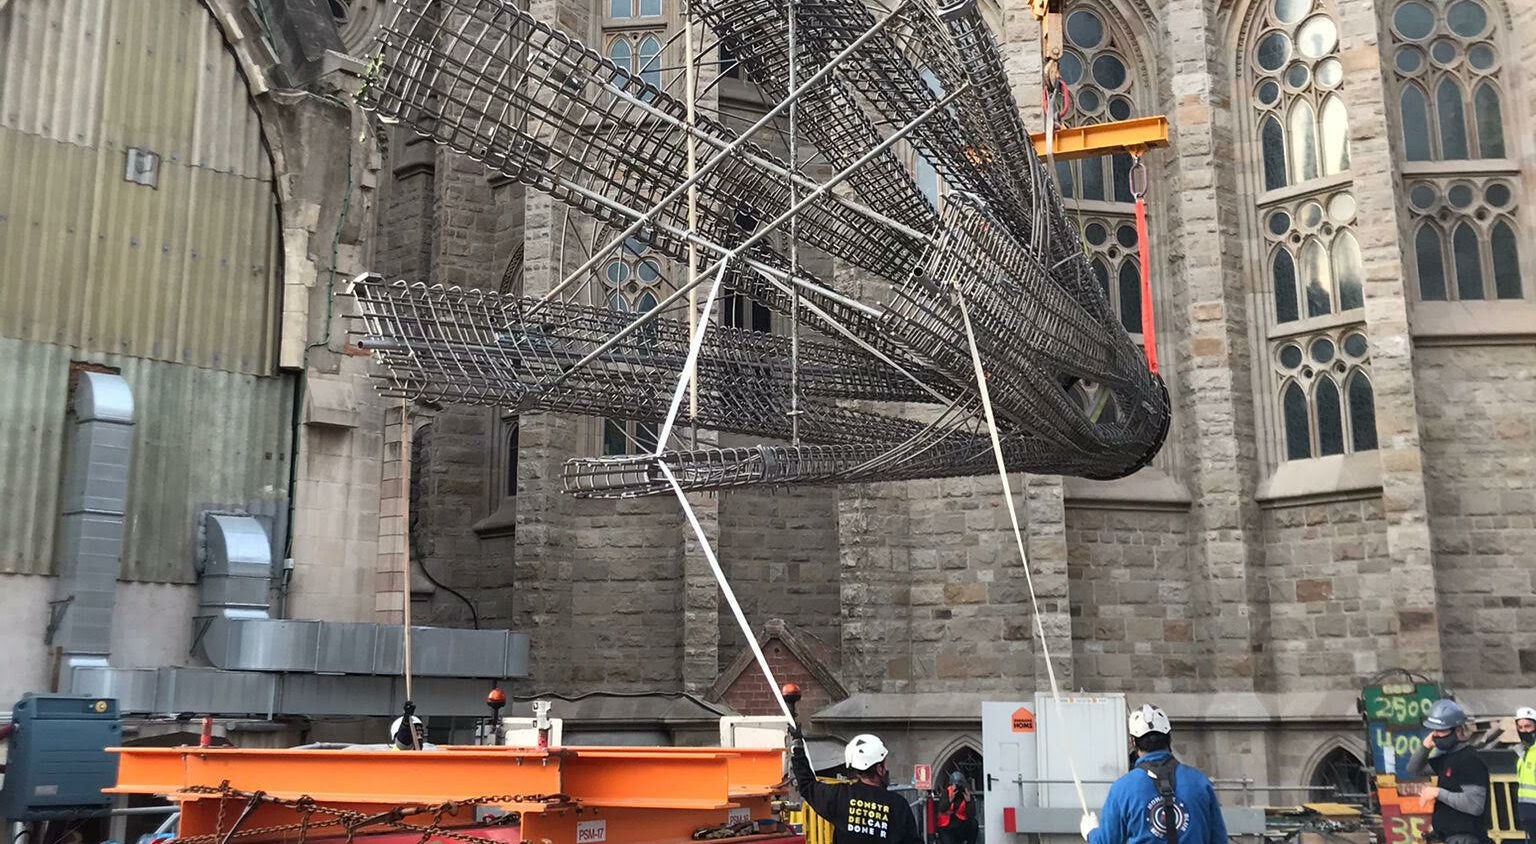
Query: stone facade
[[1254, 594]]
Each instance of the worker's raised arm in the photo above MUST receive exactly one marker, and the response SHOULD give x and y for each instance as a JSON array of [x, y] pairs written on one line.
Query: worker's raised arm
[[819, 795], [1418, 764]]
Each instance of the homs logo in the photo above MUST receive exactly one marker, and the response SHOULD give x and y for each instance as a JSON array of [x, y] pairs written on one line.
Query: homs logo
[[1155, 817]]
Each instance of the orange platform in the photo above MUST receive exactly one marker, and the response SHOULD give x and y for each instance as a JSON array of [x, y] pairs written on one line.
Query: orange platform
[[573, 795]]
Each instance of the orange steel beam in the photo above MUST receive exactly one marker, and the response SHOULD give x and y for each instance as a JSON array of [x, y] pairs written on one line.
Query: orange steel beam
[[645, 794], [652, 777], [1133, 136]]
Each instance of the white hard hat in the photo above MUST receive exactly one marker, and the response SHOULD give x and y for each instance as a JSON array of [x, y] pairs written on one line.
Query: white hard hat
[[1525, 713], [1149, 719], [864, 752], [394, 728]]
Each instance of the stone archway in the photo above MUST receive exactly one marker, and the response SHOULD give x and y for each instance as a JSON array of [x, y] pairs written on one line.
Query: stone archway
[[1337, 773]]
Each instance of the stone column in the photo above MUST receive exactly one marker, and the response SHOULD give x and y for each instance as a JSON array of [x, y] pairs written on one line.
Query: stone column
[[389, 577], [702, 602], [875, 587], [1047, 544], [1211, 316], [1415, 643]]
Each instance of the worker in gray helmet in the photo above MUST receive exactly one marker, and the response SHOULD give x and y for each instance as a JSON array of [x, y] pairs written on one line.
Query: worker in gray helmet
[[955, 811], [862, 812], [1460, 813]]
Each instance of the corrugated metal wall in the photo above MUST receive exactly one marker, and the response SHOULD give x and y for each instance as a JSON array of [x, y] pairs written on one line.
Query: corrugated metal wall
[[204, 439], [176, 285], [186, 272]]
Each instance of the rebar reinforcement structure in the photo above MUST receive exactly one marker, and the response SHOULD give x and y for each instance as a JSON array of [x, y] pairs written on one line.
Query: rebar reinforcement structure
[[877, 381]]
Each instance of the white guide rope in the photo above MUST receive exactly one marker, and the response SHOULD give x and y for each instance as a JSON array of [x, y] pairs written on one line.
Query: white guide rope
[[1018, 535], [725, 589], [683, 380]]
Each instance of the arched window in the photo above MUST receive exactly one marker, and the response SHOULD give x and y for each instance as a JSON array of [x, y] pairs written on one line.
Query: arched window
[[1098, 70], [648, 60], [1292, 81], [1318, 417], [1448, 63], [632, 282], [1342, 777], [967, 760]]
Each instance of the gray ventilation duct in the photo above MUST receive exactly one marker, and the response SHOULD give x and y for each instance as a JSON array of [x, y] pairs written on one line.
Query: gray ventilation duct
[[92, 504], [235, 569]]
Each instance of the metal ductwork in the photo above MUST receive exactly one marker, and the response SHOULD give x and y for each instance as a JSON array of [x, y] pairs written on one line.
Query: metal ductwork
[[235, 633], [92, 505], [260, 665]]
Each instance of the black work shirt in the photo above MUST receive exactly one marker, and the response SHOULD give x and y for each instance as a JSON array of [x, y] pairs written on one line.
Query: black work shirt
[[1460, 772], [859, 813]]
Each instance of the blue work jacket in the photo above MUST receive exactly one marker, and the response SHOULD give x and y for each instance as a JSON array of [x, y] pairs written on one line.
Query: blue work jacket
[[1132, 814]]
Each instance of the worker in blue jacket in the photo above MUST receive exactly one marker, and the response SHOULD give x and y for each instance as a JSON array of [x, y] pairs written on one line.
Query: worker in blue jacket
[[1160, 801]]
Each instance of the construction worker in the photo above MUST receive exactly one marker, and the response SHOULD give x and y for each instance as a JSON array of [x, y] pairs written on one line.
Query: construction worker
[[862, 812], [1159, 801], [1460, 794], [1525, 815], [955, 808], [414, 739]]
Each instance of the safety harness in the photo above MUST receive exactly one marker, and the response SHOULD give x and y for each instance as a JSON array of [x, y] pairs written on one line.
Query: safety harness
[[1162, 774]]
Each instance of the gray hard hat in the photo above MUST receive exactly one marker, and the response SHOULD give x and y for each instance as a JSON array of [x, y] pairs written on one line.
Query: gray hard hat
[[956, 778], [1445, 714]]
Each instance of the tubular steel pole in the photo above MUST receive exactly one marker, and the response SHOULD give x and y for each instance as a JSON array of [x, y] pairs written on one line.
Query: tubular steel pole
[[833, 64], [762, 232]]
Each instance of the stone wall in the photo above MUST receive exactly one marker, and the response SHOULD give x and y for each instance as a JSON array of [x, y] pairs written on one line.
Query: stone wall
[[1477, 406], [1132, 616], [779, 549], [1330, 593]]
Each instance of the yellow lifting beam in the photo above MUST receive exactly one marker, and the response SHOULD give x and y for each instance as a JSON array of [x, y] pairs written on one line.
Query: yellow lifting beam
[[1133, 136]]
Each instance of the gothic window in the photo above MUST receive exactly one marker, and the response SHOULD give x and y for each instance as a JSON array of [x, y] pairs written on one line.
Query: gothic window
[[1097, 72], [639, 53], [632, 282], [923, 172], [1342, 777], [1312, 269], [1295, 74], [1327, 406], [1446, 61], [620, 437], [627, 9]]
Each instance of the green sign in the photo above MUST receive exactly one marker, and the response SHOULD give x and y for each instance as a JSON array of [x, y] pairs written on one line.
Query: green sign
[[1401, 704]]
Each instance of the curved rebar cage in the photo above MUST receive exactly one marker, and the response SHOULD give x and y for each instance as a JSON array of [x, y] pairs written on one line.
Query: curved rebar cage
[[886, 389]]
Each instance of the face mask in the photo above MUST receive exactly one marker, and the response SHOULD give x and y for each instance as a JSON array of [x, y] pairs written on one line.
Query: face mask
[[1527, 737], [1446, 742]]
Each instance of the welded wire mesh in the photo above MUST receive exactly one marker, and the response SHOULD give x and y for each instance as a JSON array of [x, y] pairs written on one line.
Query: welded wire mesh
[[490, 81]]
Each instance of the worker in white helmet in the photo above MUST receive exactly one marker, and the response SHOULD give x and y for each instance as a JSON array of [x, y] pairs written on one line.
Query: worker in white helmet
[[1458, 801], [1159, 801], [414, 738], [862, 812], [1525, 727]]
